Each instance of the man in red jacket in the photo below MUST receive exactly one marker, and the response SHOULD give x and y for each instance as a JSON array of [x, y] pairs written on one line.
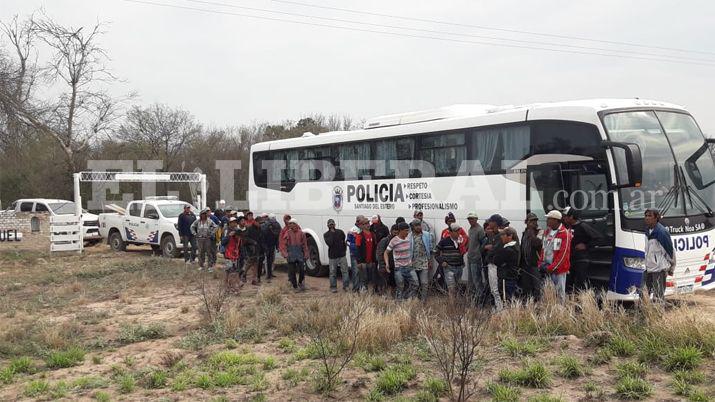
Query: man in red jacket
[[555, 256]]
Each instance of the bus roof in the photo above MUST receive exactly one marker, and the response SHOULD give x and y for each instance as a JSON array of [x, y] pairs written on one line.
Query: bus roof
[[460, 116]]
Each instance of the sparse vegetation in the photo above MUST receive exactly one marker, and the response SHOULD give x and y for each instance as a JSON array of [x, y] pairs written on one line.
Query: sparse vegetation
[[65, 358], [633, 388], [139, 333], [643, 352], [570, 366], [534, 374]]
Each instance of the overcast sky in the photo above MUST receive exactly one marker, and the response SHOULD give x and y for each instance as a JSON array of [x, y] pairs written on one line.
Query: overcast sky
[[230, 70]]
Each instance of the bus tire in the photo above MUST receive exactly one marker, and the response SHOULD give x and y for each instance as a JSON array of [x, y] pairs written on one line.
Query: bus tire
[[116, 242], [313, 266], [168, 247]]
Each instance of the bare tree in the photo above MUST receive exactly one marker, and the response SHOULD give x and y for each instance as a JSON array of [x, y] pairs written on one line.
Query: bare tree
[[454, 334], [159, 132], [84, 109]]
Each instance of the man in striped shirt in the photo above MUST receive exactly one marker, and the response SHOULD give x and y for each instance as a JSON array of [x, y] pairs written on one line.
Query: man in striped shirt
[[401, 251]]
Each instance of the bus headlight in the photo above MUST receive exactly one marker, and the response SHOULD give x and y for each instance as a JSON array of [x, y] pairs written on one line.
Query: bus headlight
[[634, 262]]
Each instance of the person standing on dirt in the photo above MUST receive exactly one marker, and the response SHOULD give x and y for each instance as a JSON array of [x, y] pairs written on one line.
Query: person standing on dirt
[[231, 243], [352, 238], [421, 246], [474, 255], [385, 268], [335, 240], [450, 256], [556, 254], [269, 241], [187, 238], [204, 229], [399, 248], [495, 223], [506, 258], [659, 255], [251, 252], [583, 237], [365, 245], [295, 251], [531, 280]]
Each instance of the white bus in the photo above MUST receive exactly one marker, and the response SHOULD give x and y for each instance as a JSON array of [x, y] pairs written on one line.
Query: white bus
[[610, 158]]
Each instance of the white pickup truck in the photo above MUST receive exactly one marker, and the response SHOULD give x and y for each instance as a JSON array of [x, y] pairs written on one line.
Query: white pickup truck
[[153, 221]]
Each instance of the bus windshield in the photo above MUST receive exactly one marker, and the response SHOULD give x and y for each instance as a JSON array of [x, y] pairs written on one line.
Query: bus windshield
[[663, 166]]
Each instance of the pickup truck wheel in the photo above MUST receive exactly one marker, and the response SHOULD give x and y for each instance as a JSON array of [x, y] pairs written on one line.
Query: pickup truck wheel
[[312, 266], [116, 242], [168, 247]]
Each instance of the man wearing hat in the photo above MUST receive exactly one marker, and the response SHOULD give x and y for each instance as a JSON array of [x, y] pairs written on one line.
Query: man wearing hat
[[474, 256], [269, 242], [335, 240], [556, 254], [400, 250], [204, 229], [491, 246], [294, 248], [231, 243], [530, 280], [584, 235], [187, 239], [450, 257]]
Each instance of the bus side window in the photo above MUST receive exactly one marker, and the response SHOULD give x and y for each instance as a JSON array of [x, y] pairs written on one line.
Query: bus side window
[[445, 151]]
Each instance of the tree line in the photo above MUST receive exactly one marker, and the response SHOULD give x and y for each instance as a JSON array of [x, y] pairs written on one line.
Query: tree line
[[58, 110]]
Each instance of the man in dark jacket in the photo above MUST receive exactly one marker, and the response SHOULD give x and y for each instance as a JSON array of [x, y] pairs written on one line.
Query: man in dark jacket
[[251, 252], [269, 242], [506, 258], [187, 239], [385, 271], [449, 256], [335, 240], [378, 229], [583, 237], [531, 279]]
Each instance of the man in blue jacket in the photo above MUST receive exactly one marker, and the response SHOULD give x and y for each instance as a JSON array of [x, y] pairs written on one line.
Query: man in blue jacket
[[421, 247], [187, 239], [659, 255]]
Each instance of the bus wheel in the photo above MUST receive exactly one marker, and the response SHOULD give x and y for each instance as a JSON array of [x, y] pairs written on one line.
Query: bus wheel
[[312, 266]]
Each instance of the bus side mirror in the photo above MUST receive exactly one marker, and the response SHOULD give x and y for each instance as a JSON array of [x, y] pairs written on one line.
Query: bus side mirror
[[629, 163]]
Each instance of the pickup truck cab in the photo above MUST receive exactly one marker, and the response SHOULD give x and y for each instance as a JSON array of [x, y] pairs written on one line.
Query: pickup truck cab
[[55, 207], [153, 221]]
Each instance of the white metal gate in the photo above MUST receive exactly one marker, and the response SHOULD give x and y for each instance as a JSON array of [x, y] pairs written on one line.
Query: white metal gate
[[66, 233]]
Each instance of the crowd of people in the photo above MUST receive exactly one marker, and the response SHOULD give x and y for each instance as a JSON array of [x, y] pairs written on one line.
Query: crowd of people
[[488, 262]]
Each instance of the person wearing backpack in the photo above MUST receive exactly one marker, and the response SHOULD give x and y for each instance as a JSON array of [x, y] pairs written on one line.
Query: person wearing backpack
[[294, 248]]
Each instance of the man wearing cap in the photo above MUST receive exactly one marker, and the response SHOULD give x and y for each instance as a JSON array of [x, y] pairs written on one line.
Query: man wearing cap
[[530, 280], [204, 229], [399, 248], [352, 239], [295, 250], [421, 246], [187, 239], [474, 255], [555, 257], [231, 244], [450, 257], [250, 251], [463, 239], [335, 240]]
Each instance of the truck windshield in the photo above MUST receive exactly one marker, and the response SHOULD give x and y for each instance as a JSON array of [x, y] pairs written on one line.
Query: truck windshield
[[670, 142], [62, 208], [171, 210]]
